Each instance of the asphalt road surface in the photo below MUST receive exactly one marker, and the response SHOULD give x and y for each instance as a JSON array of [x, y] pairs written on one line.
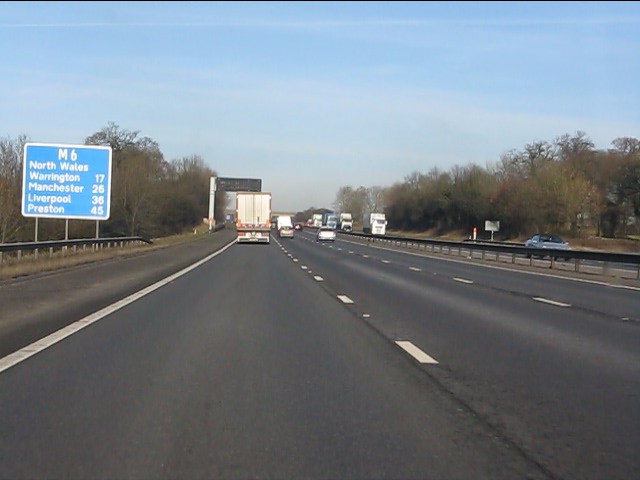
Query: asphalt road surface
[[306, 360]]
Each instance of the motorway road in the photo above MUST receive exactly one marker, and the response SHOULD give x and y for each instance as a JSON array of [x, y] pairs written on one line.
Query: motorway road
[[256, 364]]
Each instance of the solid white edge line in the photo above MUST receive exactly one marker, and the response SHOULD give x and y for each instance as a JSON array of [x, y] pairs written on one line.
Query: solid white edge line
[[39, 345], [416, 353], [551, 302], [345, 299]]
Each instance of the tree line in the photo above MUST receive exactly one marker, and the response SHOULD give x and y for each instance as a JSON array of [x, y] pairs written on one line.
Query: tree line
[[565, 186], [150, 196]]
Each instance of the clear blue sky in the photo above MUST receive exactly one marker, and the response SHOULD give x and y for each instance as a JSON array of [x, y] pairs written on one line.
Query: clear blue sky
[[313, 96]]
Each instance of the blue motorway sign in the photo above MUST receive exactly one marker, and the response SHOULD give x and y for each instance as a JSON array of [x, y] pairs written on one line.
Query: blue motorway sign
[[66, 181]]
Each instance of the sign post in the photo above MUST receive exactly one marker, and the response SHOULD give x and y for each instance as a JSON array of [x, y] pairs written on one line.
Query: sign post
[[66, 182], [227, 184], [212, 201], [492, 226]]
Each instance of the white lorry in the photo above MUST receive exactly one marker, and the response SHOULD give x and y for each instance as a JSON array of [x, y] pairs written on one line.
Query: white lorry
[[284, 225], [317, 220], [374, 223], [253, 217], [345, 222]]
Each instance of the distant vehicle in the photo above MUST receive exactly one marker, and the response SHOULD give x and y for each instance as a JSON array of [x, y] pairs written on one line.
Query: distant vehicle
[[546, 240], [345, 222], [326, 234], [284, 225], [298, 225], [253, 217], [274, 221], [331, 221], [317, 219], [374, 223]]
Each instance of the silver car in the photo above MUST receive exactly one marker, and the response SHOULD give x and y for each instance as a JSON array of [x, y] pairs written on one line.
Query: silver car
[[546, 240], [326, 234]]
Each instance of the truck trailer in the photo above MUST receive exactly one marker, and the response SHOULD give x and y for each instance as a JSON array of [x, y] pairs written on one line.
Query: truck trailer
[[345, 222], [374, 223], [253, 217]]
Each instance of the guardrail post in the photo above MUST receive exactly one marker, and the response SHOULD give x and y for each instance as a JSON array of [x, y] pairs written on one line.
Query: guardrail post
[[577, 265]]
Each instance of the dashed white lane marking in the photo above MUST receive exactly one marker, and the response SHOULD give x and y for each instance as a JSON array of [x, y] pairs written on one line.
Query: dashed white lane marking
[[345, 299], [463, 280], [365, 315], [318, 278], [350, 251], [339, 249], [365, 256], [46, 342], [415, 269], [295, 259], [386, 261], [304, 267], [551, 302], [416, 353]]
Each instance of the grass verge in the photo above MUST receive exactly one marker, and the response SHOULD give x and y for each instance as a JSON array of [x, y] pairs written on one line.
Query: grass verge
[[11, 267]]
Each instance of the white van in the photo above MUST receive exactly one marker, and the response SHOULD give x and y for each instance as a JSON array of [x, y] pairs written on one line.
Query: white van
[[284, 226]]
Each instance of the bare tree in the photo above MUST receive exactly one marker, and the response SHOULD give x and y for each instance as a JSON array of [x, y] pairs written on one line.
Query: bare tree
[[375, 198], [627, 145], [352, 200], [573, 146], [115, 137], [11, 154], [138, 169]]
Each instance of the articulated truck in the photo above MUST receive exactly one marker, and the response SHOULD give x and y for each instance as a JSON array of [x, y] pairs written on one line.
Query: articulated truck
[[253, 217], [374, 223], [346, 222]]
